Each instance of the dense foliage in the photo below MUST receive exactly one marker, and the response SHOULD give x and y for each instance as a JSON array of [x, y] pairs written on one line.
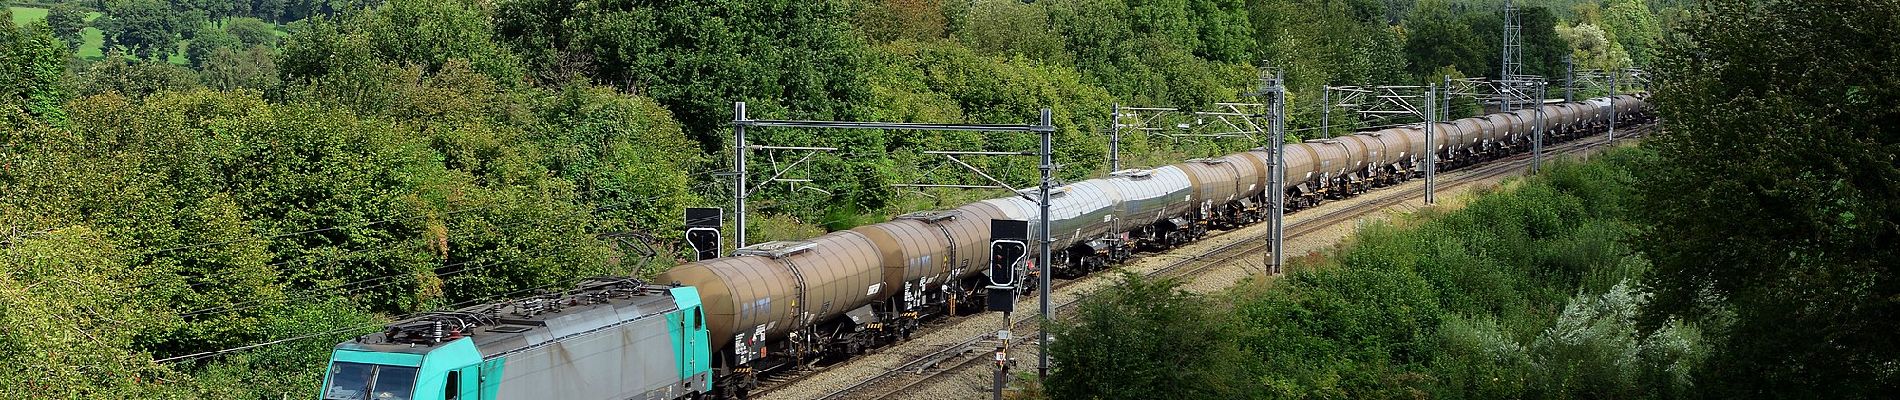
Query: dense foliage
[[32, 63], [1774, 208], [1148, 334], [1529, 292], [382, 185]]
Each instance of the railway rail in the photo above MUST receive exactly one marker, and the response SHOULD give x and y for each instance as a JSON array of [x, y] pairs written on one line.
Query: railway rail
[[928, 367]]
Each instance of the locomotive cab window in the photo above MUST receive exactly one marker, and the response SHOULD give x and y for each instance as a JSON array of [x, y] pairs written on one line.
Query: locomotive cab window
[[696, 321], [453, 390], [358, 381]]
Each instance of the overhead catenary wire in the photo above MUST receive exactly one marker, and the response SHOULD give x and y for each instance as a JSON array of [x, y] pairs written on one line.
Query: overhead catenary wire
[[198, 355], [314, 293], [311, 293], [213, 353], [583, 193], [333, 257]]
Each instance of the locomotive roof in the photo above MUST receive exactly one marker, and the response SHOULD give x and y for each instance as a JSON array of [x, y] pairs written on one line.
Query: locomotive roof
[[501, 328]]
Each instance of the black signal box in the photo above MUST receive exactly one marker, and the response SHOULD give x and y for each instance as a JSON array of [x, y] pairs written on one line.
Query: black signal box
[[1008, 248], [702, 231]]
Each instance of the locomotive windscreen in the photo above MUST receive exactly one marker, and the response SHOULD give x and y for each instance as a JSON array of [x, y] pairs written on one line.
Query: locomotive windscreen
[[358, 381]]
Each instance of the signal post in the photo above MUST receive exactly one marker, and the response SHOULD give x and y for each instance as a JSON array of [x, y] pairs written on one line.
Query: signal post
[[1007, 250]]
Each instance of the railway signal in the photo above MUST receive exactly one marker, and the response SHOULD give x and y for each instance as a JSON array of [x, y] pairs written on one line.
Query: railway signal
[[702, 231], [1008, 254], [1007, 251]]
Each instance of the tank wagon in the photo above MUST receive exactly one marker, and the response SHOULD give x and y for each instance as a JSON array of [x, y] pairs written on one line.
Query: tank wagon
[[719, 323]]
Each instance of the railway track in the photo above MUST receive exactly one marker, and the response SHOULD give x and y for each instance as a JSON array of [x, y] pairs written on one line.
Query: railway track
[[938, 362]]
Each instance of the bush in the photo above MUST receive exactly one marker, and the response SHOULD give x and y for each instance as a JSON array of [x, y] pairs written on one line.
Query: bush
[[1148, 339]]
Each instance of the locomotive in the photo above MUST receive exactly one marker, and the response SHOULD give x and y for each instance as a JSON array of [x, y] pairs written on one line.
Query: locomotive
[[715, 325]]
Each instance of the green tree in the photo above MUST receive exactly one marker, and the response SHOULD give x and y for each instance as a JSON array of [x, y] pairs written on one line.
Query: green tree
[[789, 58], [1327, 42], [148, 29], [67, 20], [189, 19], [1223, 31], [1635, 27], [1593, 48], [364, 60], [1772, 208], [997, 90], [1010, 28], [227, 69], [1360, 321], [1587, 12], [431, 32], [295, 10], [1468, 35], [32, 63], [208, 40], [1143, 336], [1544, 49], [252, 32], [269, 10], [1153, 53], [1439, 33], [73, 312], [625, 151], [134, 78], [887, 20]]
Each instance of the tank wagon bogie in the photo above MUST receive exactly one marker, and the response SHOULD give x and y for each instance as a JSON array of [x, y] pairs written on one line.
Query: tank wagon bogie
[[1398, 152], [1250, 182], [787, 304]]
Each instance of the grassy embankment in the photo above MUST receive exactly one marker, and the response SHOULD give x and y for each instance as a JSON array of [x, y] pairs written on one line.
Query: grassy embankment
[[1529, 291]]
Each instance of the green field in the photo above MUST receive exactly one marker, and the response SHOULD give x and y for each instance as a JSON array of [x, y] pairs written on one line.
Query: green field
[[94, 39], [22, 15]]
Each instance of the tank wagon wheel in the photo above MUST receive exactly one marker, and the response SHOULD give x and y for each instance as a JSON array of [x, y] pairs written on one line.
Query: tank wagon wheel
[[908, 328]]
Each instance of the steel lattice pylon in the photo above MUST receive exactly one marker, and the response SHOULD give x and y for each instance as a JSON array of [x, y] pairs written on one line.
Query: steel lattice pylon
[[1511, 62]]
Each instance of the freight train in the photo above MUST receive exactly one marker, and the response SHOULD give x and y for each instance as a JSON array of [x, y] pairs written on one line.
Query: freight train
[[715, 325]]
